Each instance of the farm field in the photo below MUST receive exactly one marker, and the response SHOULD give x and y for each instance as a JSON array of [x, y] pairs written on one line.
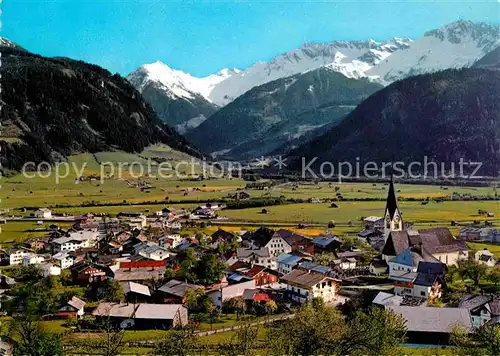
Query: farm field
[[414, 212], [49, 191]]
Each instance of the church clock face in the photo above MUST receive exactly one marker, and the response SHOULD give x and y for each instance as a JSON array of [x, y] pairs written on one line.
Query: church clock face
[[388, 219], [396, 219]]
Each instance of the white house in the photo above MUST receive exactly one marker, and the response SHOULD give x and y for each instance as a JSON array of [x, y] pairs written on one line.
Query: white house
[[43, 213], [303, 285], [63, 259], [175, 225], [155, 253], [74, 306], [485, 257], [176, 240], [32, 259], [222, 293], [75, 241], [49, 269], [287, 262], [16, 256]]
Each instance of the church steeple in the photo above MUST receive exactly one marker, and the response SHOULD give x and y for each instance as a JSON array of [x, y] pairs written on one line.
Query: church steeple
[[392, 217]]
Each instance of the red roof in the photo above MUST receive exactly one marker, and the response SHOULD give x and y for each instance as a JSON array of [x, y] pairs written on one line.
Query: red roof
[[261, 297], [255, 270]]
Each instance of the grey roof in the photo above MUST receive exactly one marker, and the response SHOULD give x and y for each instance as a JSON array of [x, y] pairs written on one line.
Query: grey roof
[[288, 259], [177, 288], [136, 288], [311, 266], [139, 311], [76, 303], [138, 274], [474, 302], [383, 298], [247, 252], [427, 319]]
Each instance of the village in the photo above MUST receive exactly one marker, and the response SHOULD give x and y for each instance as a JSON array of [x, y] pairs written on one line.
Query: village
[[142, 271]]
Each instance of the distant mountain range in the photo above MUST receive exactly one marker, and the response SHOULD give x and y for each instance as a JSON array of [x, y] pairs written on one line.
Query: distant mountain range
[[53, 107], [189, 102], [283, 111], [446, 116]]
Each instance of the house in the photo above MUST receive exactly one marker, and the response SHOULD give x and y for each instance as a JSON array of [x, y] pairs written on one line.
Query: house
[[439, 242], [49, 269], [329, 243], [135, 292], [427, 325], [303, 285], [32, 259], [219, 294], [483, 308], [485, 257], [63, 259], [345, 263], [143, 316], [408, 260], [493, 235], [155, 253], [258, 256], [267, 239], [43, 213], [169, 240], [374, 223], [313, 267], [38, 244], [134, 219], [424, 283], [242, 271], [222, 236], [378, 267], [16, 256], [299, 243], [75, 241], [84, 273], [287, 262], [255, 296], [175, 291], [73, 308]]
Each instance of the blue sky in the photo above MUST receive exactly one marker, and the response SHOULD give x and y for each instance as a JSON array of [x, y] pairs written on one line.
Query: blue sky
[[201, 37]]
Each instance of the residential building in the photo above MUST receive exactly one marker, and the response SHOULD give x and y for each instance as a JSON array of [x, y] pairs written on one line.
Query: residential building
[[49, 269], [328, 243], [175, 291], [219, 294], [84, 273], [374, 223], [32, 259], [16, 256], [75, 241], [143, 316], [408, 260], [63, 259], [378, 267], [303, 285], [483, 308], [287, 262], [43, 213], [241, 271], [485, 257], [493, 235], [155, 253], [135, 292], [73, 308], [424, 283]]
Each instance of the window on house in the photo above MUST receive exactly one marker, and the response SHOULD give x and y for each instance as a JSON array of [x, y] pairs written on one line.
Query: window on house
[[422, 293]]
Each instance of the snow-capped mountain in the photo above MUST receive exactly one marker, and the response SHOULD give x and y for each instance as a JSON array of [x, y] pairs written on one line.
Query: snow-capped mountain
[[176, 82], [352, 59], [459, 44]]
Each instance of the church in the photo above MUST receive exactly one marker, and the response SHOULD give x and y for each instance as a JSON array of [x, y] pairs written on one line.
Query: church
[[405, 246]]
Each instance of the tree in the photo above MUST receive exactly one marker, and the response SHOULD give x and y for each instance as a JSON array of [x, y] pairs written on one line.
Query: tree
[[209, 269], [198, 301], [30, 339], [472, 269], [494, 276], [110, 290], [235, 305], [242, 342], [181, 342], [270, 307], [376, 332], [485, 341]]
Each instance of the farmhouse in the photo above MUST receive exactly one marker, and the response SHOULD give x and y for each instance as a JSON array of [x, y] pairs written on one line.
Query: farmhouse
[[75, 241], [73, 308], [175, 291], [219, 294], [43, 213], [303, 286]]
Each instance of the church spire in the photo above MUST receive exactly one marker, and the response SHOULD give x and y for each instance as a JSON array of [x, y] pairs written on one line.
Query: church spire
[[392, 204]]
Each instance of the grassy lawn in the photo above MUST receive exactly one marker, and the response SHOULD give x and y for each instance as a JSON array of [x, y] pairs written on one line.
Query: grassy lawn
[[493, 248], [19, 231]]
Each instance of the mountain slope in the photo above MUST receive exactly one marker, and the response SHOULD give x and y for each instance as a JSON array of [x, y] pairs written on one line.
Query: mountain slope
[[352, 59], [269, 115], [490, 60], [459, 44], [178, 98], [446, 116], [54, 107]]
